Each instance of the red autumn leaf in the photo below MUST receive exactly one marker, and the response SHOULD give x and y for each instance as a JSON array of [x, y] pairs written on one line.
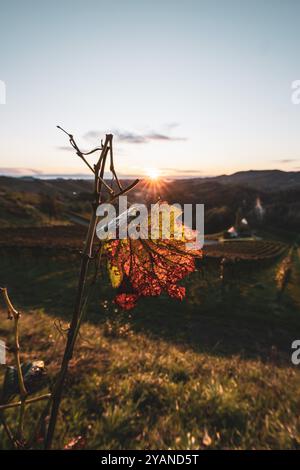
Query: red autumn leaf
[[149, 267], [176, 291], [126, 301]]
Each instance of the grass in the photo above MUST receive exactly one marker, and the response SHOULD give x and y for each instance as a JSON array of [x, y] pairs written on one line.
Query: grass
[[134, 392], [211, 372]]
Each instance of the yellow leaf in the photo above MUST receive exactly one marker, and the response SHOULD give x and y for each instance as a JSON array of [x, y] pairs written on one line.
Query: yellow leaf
[[115, 275]]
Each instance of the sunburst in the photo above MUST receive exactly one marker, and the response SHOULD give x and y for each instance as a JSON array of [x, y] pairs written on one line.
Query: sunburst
[[152, 173]]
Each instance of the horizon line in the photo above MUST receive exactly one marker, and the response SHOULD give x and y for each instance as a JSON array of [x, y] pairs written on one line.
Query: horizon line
[[87, 176]]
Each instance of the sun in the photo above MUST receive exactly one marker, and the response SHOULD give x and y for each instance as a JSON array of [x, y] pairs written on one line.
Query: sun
[[153, 173], [154, 182]]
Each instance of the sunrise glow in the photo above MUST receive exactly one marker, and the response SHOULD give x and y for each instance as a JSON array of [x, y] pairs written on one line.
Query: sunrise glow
[[152, 173]]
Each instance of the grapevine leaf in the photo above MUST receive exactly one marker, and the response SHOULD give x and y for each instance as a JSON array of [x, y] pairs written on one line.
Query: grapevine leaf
[[148, 267]]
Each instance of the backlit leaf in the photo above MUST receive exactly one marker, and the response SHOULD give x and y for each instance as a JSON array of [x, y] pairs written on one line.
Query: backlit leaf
[[148, 267]]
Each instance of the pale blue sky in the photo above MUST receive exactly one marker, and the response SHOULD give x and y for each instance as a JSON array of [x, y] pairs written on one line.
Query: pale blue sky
[[190, 87]]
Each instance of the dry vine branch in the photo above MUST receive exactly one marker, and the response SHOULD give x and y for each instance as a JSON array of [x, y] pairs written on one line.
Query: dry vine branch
[[13, 314], [27, 402], [87, 256], [18, 440]]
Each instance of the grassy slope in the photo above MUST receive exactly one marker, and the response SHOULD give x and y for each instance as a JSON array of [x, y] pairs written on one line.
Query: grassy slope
[[140, 392], [171, 374]]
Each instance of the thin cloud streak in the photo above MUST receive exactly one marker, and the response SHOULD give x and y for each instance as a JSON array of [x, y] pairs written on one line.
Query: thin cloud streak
[[8, 171], [286, 160], [134, 137], [65, 148], [176, 170]]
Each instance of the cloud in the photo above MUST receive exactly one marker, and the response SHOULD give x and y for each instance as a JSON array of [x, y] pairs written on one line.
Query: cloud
[[6, 171], [65, 148], [159, 136], [176, 171], [130, 137], [94, 135], [287, 160]]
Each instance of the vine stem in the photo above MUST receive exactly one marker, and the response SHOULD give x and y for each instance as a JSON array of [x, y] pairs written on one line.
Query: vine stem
[[7, 430], [14, 315], [75, 323], [87, 256], [27, 402]]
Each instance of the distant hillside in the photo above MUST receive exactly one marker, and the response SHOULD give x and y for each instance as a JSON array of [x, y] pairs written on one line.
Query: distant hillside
[[266, 180], [32, 201], [37, 185]]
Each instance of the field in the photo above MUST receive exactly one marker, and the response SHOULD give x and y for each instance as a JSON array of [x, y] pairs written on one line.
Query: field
[[213, 371], [246, 250]]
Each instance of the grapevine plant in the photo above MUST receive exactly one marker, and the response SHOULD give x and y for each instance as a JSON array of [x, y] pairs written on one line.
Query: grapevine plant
[[136, 267]]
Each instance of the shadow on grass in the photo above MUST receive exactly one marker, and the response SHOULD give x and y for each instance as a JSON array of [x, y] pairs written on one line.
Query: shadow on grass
[[240, 317]]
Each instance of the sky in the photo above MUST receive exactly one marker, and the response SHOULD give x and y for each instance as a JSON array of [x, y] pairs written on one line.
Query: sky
[[187, 87]]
